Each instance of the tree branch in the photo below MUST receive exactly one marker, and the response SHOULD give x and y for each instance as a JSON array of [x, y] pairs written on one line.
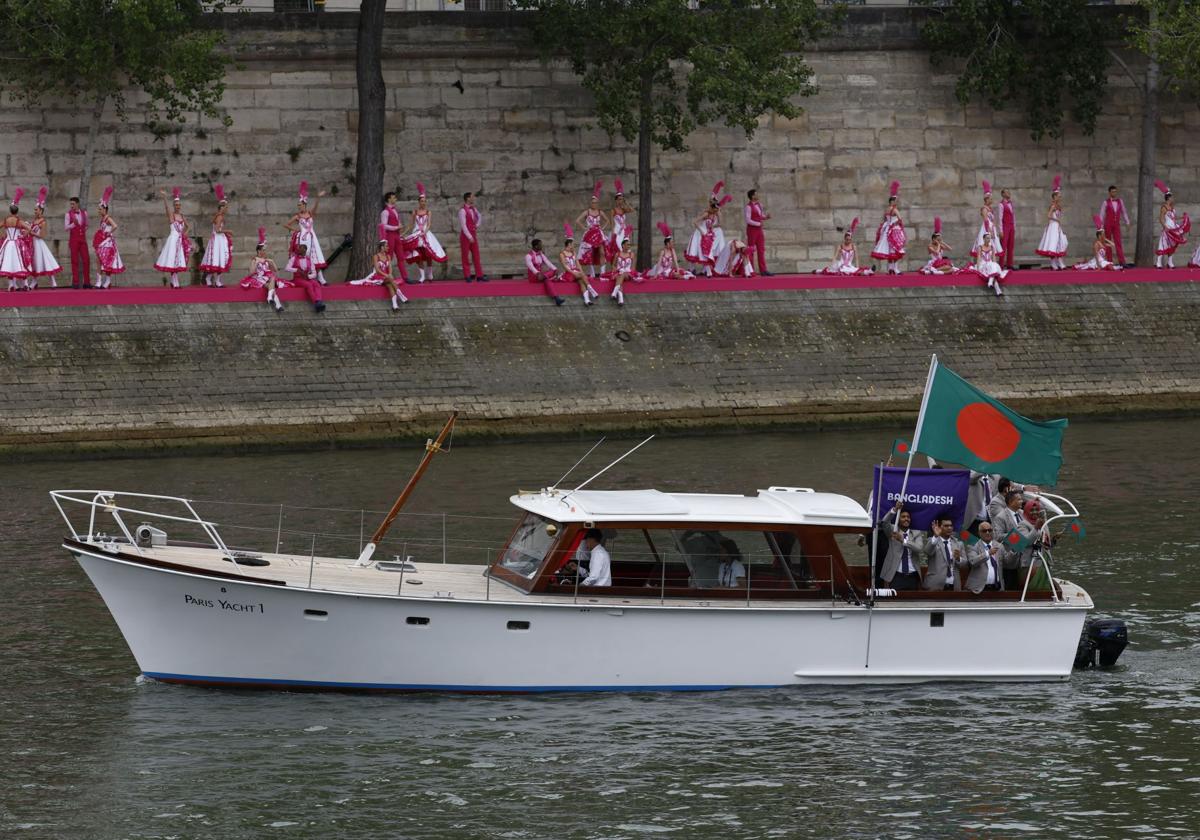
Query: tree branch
[[1124, 66]]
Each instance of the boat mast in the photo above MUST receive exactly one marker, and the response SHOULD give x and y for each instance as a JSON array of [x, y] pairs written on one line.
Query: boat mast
[[431, 447]]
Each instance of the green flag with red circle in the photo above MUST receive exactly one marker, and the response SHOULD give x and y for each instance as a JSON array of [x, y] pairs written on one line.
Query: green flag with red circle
[[962, 424]]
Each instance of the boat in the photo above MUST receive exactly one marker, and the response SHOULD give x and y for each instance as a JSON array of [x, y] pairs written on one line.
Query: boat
[[198, 610]]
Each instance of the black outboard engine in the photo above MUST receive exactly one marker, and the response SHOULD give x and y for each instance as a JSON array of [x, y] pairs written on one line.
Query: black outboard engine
[[1103, 639]]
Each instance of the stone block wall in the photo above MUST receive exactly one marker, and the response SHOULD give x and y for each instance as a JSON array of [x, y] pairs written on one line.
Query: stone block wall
[[471, 109]]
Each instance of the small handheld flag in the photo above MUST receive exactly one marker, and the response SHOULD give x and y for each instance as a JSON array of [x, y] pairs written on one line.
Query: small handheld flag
[[901, 448], [1016, 542], [1075, 529], [967, 537]]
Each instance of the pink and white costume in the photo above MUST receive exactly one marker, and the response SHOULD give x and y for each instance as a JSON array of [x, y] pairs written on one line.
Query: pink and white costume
[[734, 260], [389, 221], [218, 253], [987, 224], [538, 267], [592, 250], [173, 258], [620, 232], [421, 245], [936, 263], [43, 263], [105, 244], [16, 255], [1097, 263], [262, 276], [1054, 241], [987, 266], [707, 243], [890, 238], [668, 269], [306, 234], [1174, 233], [379, 276], [844, 264], [570, 264]]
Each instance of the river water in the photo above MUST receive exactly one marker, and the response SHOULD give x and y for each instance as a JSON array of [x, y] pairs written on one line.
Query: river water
[[92, 751]]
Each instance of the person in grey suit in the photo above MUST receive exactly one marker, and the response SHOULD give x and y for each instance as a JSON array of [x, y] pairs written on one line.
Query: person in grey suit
[[1000, 500], [942, 553], [901, 566], [980, 492], [1009, 519], [983, 562]]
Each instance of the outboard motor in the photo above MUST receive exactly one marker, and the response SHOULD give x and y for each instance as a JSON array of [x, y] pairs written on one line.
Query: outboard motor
[[1103, 639]]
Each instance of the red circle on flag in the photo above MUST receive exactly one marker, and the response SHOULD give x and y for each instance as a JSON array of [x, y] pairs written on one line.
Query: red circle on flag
[[964, 534], [1014, 538], [1075, 527], [902, 448], [986, 432]]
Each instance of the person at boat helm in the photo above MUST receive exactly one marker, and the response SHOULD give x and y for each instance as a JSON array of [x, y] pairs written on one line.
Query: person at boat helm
[[731, 574], [901, 566], [599, 561], [942, 555]]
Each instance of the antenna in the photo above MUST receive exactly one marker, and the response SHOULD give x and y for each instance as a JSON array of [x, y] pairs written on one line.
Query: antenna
[[577, 463], [610, 466]]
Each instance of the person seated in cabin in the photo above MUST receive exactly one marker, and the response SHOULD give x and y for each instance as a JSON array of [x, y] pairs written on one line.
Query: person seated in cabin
[[731, 574], [599, 561], [983, 562]]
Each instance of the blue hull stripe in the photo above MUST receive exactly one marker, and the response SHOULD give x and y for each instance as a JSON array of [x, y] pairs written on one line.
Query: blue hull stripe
[[253, 682]]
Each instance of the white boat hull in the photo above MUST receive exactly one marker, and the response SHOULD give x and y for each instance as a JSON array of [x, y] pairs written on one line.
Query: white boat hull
[[191, 628]]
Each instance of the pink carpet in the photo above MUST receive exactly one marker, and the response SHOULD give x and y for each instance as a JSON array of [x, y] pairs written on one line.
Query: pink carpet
[[143, 295]]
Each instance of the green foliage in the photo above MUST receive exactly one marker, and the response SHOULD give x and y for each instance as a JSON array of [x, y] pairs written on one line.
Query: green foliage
[[94, 51], [728, 61], [1170, 31], [1047, 57]]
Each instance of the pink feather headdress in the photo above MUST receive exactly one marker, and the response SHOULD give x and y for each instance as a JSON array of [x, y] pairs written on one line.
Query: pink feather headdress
[[716, 190], [725, 201], [618, 186], [420, 190], [262, 236], [42, 193], [1056, 185], [1099, 223], [174, 193], [937, 225], [853, 226], [987, 188], [220, 192], [596, 189], [1161, 187], [894, 189], [568, 232], [17, 194], [664, 230], [304, 191], [107, 197]]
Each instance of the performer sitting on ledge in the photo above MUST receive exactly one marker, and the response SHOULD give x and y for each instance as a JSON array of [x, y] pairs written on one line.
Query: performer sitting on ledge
[[382, 275], [1100, 251], [304, 274], [539, 269], [263, 274], [571, 272], [845, 256], [938, 262]]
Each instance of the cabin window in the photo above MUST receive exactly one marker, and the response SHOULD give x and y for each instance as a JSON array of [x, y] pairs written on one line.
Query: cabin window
[[528, 545]]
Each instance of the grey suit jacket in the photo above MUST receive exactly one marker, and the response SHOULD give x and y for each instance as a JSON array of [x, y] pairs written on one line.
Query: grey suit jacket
[[997, 503], [975, 495], [1004, 522], [895, 549], [935, 575], [976, 561]]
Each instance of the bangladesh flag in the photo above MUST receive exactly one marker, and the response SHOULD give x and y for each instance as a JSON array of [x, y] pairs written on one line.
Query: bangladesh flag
[[1017, 542], [962, 424], [967, 537], [1076, 529], [901, 448]]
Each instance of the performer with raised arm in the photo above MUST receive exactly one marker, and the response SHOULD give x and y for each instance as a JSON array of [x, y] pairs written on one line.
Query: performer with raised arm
[[421, 246], [987, 223], [75, 222], [987, 265], [621, 229], [1112, 211], [570, 267], [382, 274], [708, 239], [16, 253], [389, 217], [177, 249], [539, 269], [302, 226], [1174, 230], [304, 274], [845, 255], [263, 273], [469, 220], [218, 253], [891, 238], [104, 241], [1054, 241], [593, 251], [1008, 229], [938, 262], [1101, 248], [755, 240], [667, 267], [44, 263]]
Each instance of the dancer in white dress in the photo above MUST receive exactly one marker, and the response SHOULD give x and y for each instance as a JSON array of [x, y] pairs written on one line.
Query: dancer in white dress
[[1099, 260], [16, 255], [44, 263], [987, 265], [420, 245], [302, 226], [1174, 229], [177, 250], [104, 243], [620, 224], [891, 238], [382, 275], [845, 256], [708, 240], [1054, 241], [667, 267], [938, 262], [592, 251], [988, 223], [218, 254], [735, 260], [571, 270]]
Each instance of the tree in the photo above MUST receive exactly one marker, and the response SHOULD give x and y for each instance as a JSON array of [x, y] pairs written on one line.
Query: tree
[[658, 69], [368, 171], [90, 54]]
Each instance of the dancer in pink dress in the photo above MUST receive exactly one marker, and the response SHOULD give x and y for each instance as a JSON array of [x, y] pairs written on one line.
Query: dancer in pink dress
[[420, 245], [177, 249], [571, 270], [44, 263], [592, 251], [104, 242], [1101, 248], [623, 272], [987, 265], [539, 269], [218, 254], [845, 255], [302, 226], [263, 273], [667, 267], [382, 275], [1174, 229], [708, 239], [621, 229], [735, 260], [988, 223], [938, 262], [389, 217], [16, 252], [1054, 241], [891, 238]]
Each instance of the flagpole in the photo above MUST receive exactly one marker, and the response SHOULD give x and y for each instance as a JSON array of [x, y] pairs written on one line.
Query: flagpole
[[920, 421], [874, 550]]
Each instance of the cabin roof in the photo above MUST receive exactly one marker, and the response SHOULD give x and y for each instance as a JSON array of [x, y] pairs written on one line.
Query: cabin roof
[[775, 506]]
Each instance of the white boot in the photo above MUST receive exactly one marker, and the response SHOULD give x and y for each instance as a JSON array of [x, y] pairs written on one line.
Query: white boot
[[321, 278], [619, 296], [421, 277], [1170, 260], [395, 303], [174, 281], [217, 281], [999, 291]]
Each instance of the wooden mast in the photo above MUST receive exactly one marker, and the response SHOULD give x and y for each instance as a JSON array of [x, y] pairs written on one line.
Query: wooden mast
[[431, 447]]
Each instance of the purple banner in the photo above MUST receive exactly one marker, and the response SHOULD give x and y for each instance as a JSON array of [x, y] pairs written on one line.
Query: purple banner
[[929, 493]]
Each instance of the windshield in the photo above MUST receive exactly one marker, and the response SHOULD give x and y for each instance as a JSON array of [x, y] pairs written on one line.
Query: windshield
[[528, 546]]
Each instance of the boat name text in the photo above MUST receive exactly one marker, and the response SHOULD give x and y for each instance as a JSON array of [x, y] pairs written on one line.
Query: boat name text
[[228, 606]]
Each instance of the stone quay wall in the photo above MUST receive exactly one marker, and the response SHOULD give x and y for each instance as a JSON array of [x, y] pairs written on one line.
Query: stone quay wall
[[470, 108], [80, 380]]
